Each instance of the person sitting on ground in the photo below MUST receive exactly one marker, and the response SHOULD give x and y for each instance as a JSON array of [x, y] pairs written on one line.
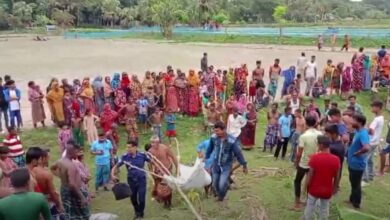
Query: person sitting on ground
[[23, 204]]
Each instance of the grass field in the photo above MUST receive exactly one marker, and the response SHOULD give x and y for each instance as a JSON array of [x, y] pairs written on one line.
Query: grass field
[[255, 195]]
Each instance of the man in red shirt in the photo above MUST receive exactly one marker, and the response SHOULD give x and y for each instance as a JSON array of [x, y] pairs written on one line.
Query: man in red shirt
[[322, 179]]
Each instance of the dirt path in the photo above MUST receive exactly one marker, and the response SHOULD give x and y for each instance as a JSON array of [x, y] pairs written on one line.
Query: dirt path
[[27, 60]]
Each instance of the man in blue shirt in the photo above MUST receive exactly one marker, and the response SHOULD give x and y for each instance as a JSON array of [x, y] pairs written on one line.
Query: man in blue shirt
[[357, 158], [135, 178], [284, 123], [102, 149], [225, 148]]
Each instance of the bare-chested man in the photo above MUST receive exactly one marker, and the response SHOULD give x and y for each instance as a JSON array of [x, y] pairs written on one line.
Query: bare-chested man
[[213, 116], [258, 73], [300, 126], [73, 197], [161, 154], [130, 111], [156, 121], [44, 179], [274, 113]]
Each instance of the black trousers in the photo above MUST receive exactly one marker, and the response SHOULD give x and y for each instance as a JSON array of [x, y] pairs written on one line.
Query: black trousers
[[281, 143], [301, 172], [355, 178]]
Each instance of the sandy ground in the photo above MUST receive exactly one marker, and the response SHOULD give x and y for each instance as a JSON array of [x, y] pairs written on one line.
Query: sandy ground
[[27, 60]]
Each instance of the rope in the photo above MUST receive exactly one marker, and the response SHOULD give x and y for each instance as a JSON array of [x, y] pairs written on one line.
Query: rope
[[192, 208]]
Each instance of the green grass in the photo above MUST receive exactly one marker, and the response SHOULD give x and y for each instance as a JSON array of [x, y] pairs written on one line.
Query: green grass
[[254, 192], [239, 39]]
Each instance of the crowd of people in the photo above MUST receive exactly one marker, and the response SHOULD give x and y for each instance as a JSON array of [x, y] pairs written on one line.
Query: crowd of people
[[229, 101]]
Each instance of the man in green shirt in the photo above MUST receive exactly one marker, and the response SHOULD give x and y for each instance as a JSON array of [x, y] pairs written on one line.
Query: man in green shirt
[[307, 146], [14, 206]]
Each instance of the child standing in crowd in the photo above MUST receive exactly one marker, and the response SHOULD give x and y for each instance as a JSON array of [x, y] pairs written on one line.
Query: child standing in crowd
[[113, 136], [64, 135], [252, 91], [170, 120], [155, 120], [77, 131], [271, 135], [14, 144], [143, 105], [102, 149], [89, 124]]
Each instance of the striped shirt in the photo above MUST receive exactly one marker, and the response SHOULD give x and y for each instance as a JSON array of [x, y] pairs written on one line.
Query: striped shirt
[[14, 145]]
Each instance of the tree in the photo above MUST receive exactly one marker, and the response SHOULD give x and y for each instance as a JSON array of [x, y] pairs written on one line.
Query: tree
[[165, 13], [111, 9], [220, 18], [127, 16], [23, 11], [63, 18], [279, 16]]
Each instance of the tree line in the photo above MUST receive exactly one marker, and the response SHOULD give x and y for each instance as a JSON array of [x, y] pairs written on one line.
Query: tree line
[[167, 13]]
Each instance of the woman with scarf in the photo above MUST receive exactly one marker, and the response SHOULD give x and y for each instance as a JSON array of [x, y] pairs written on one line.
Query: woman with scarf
[[366, 73], [120, 101], [68, 110], [240, 87], [116, 81], [374, 71], [76, 86], [346, 83], [289, 76], [358, 71], [171, 99], [136, 88], [107, 117], [125, 84], [327, 75], [147, 84], [55, 99], [108, 92], [87, 95], [229, 83], [241, 104], [98, 90], [182, 95], [50, 86], [35, 96], [336, 78], [248, 132], [193, 94]]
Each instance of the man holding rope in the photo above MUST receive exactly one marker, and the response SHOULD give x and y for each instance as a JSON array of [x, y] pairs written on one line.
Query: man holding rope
[[136, 178], [225, 147], [163, 160]]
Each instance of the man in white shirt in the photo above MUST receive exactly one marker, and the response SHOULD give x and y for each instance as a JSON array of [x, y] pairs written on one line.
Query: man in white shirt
[[12, 96], [310, 74], [301, 63], [375, 131], [235, 123]]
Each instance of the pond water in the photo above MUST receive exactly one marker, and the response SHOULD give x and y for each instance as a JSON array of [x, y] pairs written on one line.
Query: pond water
[[244, 31]]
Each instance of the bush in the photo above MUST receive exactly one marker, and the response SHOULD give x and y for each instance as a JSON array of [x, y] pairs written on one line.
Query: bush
[[42, 21], [3, 20], [15, 22], [63, 18]]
